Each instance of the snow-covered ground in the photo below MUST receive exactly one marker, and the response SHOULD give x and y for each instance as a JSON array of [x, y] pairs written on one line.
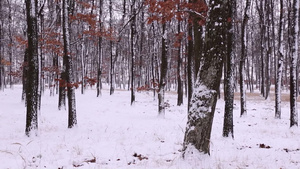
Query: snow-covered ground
[[113, 134]]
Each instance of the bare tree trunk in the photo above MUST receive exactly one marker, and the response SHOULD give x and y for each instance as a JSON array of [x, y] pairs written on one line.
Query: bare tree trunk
[[179, 61], [204, 98], [10, 51], [229, 81], [242, 61], [132, 35], [33, 65], [72, 120], [99, 70], [280, 66], [293, 41], [163, 73], [190, 54], [262, 25], [112, 84]]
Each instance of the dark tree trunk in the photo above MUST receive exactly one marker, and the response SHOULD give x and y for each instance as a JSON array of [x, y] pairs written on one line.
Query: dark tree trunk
[[62, 91], [229, 92], [72, 120], [262, 26], [268, 46], [163, 73], [132, 35], [33, 68], [243, 59], [25, 72], [198, 46], [112, 81], [99, 69], [179, 61], [293, 42], [190, 54], [204, 98], [10, 51]]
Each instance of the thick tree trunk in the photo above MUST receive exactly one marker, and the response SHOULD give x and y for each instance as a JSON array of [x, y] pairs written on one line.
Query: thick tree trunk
[[229, 81], [33, 65], [293, 41], [72, 120], [204, 98]]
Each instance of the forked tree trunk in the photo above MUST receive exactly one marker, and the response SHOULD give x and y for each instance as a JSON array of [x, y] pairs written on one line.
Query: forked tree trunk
[[204, 98]]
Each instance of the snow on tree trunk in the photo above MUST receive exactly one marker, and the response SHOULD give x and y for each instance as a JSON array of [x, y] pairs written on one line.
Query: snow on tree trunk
[[242, 61], [229, 80], [293, 42], [204, 98], [132, 35], [163, 74], [280, 65], [72, 120], [33, 68]]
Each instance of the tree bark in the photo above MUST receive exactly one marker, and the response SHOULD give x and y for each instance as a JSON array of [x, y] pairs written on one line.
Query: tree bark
[[112, 69], [229, 81], [204, 98], [179, 61], [280, 66], [67, 68], [293, 41], [242, 61], [132, 35], [190, 54], [99, 70], [163, 73], [33, 71]]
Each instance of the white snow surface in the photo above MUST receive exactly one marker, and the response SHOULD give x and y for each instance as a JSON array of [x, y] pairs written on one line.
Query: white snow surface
[[110, 132]]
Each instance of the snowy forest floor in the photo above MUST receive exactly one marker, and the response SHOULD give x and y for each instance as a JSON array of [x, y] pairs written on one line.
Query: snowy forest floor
[[113, 134]]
